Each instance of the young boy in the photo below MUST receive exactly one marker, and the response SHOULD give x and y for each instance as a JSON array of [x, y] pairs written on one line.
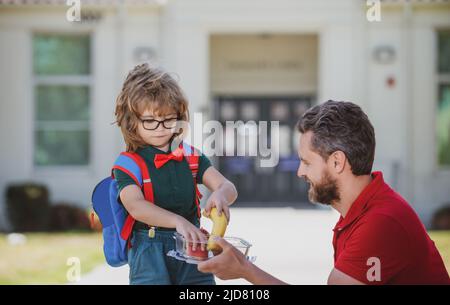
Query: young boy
[[147, 110]]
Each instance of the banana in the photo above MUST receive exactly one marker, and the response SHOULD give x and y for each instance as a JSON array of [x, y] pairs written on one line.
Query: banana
[[219, 227]]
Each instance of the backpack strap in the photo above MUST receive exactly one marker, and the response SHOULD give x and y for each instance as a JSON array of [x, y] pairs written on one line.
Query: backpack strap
[[145, 174], [192, 157], [126, 163], [133, 164]]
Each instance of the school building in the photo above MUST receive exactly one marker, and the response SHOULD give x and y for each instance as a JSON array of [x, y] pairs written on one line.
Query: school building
[[236, 60]]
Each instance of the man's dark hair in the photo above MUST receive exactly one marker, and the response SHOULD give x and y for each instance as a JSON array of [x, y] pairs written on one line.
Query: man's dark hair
[[341, 126]]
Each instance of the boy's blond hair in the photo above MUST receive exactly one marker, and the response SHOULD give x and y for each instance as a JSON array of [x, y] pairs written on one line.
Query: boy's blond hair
[[147, 88]]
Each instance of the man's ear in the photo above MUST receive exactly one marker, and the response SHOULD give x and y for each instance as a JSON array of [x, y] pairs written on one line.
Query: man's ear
[[338, 160]]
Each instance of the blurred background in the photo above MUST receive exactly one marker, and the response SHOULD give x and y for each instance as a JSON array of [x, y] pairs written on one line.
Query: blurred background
[[262, 60]]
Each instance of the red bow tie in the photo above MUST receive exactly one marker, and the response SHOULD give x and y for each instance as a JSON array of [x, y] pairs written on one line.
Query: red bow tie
[[161, 159]]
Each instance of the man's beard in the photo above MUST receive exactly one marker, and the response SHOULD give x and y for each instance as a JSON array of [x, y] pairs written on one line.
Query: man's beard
[[325, 192]]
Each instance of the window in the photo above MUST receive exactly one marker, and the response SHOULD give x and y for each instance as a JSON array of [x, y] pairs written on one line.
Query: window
[[61, 66], [443, 109]]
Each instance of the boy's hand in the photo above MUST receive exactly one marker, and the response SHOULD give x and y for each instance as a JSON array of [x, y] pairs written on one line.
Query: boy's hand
[[219, 201], [191, 233]]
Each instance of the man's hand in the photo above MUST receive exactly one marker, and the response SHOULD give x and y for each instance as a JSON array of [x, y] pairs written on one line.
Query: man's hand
[[230, 264]]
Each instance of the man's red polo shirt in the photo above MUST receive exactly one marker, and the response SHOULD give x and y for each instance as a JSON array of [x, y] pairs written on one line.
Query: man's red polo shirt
[[382, 230]]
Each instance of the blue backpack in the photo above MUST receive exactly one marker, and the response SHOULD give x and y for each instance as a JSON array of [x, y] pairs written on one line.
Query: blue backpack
[[117, 224]]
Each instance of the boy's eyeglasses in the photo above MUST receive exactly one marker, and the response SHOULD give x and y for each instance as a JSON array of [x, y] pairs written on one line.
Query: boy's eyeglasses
[[152, 124]]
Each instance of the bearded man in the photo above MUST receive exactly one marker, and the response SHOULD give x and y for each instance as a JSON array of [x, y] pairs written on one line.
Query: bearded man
[[378, 239]]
